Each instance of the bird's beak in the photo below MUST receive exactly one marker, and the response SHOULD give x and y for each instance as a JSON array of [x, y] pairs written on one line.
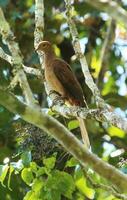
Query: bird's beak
[[37, 48]]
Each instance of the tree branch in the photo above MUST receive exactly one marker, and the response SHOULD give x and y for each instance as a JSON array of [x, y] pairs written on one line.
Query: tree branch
[[39, 22], [39, 27], [9, 38], [28, 70], [64, 137], [102, 115]]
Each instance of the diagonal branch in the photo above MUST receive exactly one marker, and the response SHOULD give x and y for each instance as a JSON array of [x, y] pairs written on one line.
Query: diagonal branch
[[64, 137], [9, 38]]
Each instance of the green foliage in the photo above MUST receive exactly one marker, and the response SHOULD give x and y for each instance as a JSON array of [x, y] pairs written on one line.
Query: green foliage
[[73, 124], [49, 162], [114, 131], [47, 183], [27, 175], [58, 177]]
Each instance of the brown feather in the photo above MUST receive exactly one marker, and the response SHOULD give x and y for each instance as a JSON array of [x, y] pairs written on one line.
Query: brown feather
[[61, 79]]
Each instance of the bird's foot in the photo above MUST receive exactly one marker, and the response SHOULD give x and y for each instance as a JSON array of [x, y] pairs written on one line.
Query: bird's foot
[[59, 100], [53, 92]]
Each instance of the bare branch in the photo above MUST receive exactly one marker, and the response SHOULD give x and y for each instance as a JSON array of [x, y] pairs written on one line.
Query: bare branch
[[64, 137]]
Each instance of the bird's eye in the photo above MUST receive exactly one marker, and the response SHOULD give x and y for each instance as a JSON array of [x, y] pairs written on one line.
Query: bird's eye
[[44, 45]]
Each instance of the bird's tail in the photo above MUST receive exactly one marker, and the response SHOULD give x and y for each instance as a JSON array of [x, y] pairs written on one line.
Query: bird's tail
[[84, 133]]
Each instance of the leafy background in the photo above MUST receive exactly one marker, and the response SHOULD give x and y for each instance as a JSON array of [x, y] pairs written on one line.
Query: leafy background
[[33, 165]]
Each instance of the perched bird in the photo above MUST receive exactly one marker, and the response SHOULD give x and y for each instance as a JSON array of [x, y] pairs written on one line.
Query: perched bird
[[61, 79]]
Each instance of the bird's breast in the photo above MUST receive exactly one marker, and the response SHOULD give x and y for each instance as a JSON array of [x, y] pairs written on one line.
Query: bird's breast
[[53, 82]]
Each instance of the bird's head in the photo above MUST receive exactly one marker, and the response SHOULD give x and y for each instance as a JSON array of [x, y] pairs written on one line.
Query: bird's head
[[44, 46]]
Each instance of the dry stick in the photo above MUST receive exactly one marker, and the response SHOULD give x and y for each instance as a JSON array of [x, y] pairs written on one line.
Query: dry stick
[[51, 126], [112, 8], [9, 38], [88, 78], [105, 52]]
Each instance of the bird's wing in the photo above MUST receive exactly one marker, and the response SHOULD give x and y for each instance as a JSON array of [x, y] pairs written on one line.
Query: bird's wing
[[67, 78]]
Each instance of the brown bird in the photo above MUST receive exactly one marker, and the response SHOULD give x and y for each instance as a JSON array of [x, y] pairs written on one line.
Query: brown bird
[[60, 78]]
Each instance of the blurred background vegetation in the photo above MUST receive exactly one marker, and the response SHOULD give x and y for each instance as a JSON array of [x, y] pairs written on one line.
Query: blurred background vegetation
[[34, 156]]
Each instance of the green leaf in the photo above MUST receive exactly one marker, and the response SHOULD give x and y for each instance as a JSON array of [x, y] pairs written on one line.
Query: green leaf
[[3, 173], [42, 170], [28, 195], [60, 183], [11, 169], [73, 124], [114, 131], [49, 162], [82, 187], [50, 112], [26, 158], [37, 185], [27, 175], [72, 162], [34, 167], [35, 193]]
